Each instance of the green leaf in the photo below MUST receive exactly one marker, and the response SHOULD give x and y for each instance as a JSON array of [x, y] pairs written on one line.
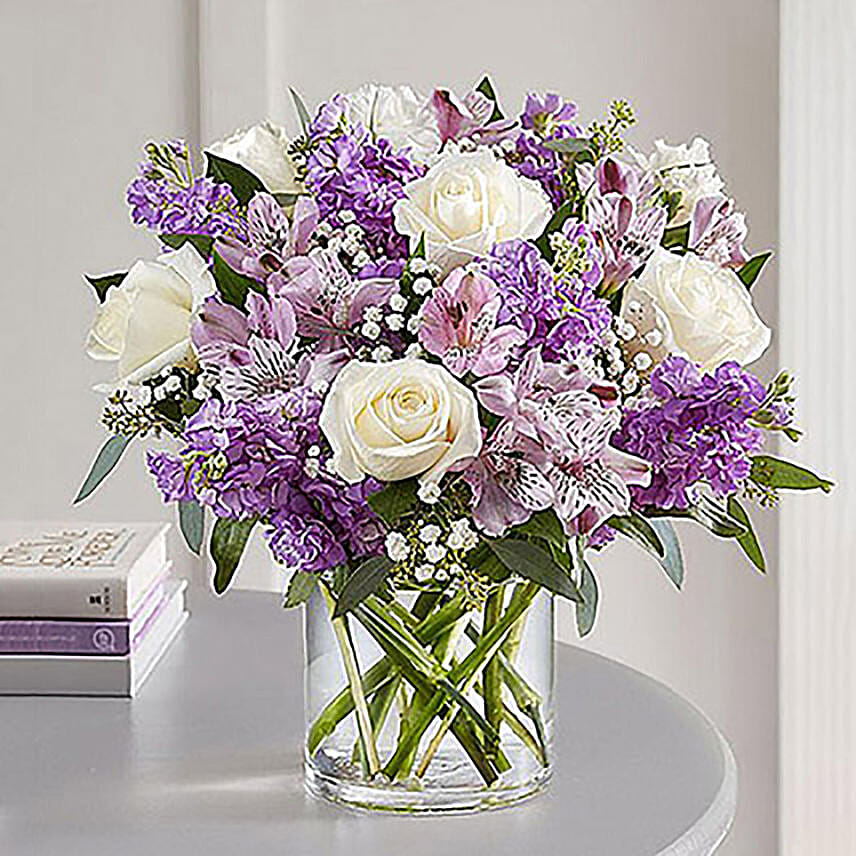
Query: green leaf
[[191, 521], [673, 561], [586, 612], [395, 500], [715, 518], [245, 184], [201, 243], [102, 284], [752, 269], [677, 236], [568, 145], [546, 526], [286, 200], [228, 540], [103, 465], [749, 541], [776, 473], [233, 286], [638, 529], [563, 212], [300, 109], [534, 564], [300, 587], [362, 582], [486, 89]]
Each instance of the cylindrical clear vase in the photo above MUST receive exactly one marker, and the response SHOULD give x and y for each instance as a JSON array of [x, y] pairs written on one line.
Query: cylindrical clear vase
[[429, 704]]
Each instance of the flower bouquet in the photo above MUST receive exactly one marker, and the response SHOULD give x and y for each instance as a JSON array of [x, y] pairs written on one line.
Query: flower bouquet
[[439, 357]]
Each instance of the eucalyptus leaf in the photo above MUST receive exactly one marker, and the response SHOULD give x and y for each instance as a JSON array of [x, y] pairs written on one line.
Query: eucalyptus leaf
[[362, 582], [586, 612], [752, 269], [673, 561], [568, 145], [300, 587], [103, 465], [534, 564], [191, 521], [749, 541], [102, 284], [233, 286], [776, 473], [638, 529], [245, 184], [394, 500], [301, 110], [201, 243], [486, 89], [546, 526], [228, 540]]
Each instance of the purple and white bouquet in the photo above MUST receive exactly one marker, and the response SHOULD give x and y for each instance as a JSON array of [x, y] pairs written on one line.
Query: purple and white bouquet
[[429, 347]]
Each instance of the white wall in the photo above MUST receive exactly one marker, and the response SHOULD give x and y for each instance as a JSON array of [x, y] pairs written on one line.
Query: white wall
[[818, 648], [89, 82], [83, 85]]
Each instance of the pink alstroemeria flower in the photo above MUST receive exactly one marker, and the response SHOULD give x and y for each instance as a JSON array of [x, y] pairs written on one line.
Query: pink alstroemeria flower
[[459, 325], [468, 117]]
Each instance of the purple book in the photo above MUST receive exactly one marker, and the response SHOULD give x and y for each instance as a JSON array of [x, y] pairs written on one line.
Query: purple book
[[80, 636]]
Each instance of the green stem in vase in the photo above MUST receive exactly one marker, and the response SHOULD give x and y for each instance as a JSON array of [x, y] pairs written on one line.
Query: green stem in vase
[[424, 690], [426, 630], [492, 678], [349, 660], [379, 708], [462, 673]]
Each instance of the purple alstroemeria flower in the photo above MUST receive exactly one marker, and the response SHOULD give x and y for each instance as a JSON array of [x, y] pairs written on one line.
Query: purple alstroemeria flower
[[271, 239], [468, 117], [459, 325], [508, 482], [717, 232], [519, 398], [549, 115], [590, 478], [328, 301]]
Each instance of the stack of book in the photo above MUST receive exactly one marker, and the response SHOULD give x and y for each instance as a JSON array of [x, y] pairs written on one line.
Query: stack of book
[[85, 609]]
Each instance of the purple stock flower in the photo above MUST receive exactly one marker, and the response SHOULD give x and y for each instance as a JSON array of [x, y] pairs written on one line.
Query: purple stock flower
[[693, 427], [172, 476], [460, 325], [532, 160], [717, 231], [346, 170], [169, 200]]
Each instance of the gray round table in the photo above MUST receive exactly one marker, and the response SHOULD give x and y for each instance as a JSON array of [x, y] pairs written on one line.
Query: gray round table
[[207, 760]]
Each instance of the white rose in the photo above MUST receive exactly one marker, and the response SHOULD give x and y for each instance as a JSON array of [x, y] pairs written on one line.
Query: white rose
[[399, 113], [707, 307], [466, 203], [144, 323], [399, 419], [686, 169], [263, 150]]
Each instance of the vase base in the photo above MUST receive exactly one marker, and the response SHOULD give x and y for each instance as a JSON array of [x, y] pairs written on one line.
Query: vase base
[[408, 798]]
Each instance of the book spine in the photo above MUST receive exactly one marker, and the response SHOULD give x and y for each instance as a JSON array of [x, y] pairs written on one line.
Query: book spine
[[85, 595], [65, 637]]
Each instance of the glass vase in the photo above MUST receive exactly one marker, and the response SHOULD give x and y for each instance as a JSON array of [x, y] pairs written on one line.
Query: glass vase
[[426, 703]]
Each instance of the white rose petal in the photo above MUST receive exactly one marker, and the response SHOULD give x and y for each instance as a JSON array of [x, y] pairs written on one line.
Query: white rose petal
[[399, 419], [466, 203], [400, 114], [263, 150], [144, 323], [707, 307]]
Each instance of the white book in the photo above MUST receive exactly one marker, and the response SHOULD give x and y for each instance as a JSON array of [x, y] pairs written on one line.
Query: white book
[[58, 674], [78, 570]]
